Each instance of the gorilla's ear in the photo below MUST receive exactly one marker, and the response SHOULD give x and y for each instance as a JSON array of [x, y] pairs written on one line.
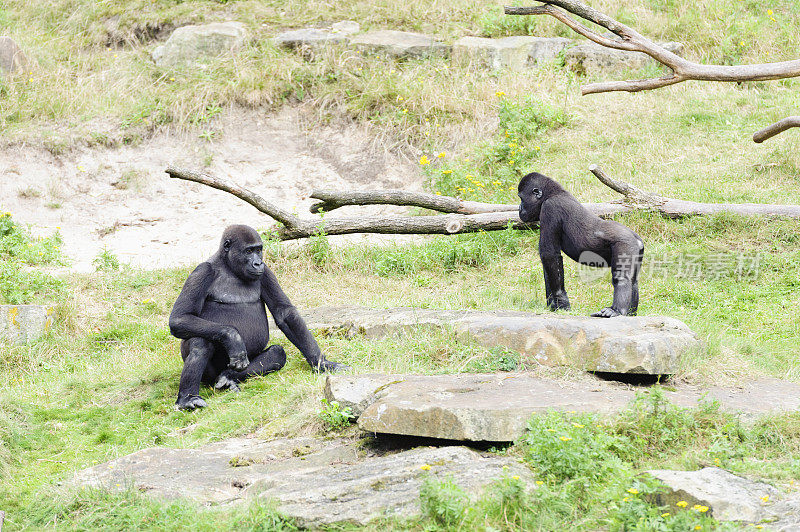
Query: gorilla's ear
[[227, 244], [538, 193]]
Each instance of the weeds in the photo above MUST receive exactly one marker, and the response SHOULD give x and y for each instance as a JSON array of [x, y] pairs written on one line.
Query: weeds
[[334, 416]]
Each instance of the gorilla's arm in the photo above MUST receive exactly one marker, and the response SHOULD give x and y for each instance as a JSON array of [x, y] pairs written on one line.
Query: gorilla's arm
[[185, 321], [550, 244], [289, 321]]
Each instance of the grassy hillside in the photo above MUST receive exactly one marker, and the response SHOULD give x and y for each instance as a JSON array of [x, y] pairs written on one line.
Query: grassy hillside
[[102, 382]]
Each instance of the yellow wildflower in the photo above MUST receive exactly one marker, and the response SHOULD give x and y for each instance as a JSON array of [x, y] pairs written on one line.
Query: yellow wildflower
[[447, 172], [665, 514], [425, 467], [626, 499], [441, 155], [577, 425], [515, 477], [551, 430], [699, 527], [765, 498], [769, 12], [500, 94], [565, 438], [633, 491], [424, 160], [539, 482], [682, 504]]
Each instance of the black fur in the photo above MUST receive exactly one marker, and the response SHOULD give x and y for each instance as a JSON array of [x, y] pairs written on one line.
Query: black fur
[[566, 225], [221, 318]]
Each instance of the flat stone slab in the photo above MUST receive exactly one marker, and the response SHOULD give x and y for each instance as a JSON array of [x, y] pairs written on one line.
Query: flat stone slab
[[496, 407], [592, 58], [12, 58], [399, 44], [309, 37], [649, 345], [727, 496], [513, 53], [316, 482], [20, 324]]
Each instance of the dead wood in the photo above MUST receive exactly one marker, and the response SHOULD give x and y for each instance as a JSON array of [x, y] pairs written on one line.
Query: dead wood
[[682, 69], [778, 127], [462, 216]]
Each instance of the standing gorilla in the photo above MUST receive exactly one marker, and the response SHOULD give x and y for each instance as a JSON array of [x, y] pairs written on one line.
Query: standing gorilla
[[565, 224], [221, 319]]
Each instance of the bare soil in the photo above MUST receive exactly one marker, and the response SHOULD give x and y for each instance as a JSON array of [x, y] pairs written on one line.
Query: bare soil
[[120, 198]]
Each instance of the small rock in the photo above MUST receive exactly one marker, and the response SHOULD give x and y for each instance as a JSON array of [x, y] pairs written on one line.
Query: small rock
[[728, 497], [399, 44], [309, 38], [592, 58], [12, 58], [512, 53], [20, 324], [346, 27], [192, 43]]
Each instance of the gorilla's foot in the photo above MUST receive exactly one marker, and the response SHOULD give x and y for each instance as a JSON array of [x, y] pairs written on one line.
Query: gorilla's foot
[[607, 312], [190, 403], [227, 381], [329, 366]]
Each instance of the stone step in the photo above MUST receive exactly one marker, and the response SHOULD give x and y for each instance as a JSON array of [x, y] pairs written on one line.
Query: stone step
[[313, 481], [496, 407], [649, 345]]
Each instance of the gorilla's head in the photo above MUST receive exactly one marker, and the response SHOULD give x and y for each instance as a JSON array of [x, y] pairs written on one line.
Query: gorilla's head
[[242, 251], [533, 189]]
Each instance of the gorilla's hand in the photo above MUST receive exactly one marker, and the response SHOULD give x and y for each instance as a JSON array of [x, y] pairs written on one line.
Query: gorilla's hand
[[607, 312], [237, 353], [329, 366]]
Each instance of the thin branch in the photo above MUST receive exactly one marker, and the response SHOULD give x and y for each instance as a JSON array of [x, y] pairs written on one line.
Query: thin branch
[[333, 199], [776, 128], [273, 211], [633, 41]]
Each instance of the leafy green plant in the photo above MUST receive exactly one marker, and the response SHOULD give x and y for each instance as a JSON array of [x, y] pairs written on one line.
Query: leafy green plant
[[334, 416], [443, 501], [319, 249], [564, 447], [106, 261]]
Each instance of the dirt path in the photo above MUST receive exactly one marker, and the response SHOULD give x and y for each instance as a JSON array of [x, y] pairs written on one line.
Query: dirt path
[[120, 199]]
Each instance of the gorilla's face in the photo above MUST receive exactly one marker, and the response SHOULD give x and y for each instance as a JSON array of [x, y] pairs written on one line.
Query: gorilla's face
[[244, 254], [531, 192]]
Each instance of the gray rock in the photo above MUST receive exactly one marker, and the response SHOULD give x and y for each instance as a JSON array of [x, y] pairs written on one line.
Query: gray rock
[[217, 473], [346, 27], [728, 497], [512, 53], [593, 58], [471, 407], [385, 486], [496, 407], [189, 44], [24, 323], [12, 58], [309, 38], [315, 482], [399, 44], [643, 345]]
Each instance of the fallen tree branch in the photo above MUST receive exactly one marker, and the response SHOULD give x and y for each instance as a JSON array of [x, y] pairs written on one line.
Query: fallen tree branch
[[292, 227], [333, 199], [682, 69], [463, 216], [778, 127]]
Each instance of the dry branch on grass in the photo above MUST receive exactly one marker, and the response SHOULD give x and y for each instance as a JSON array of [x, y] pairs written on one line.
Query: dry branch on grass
[[682, 69], [461, 216]]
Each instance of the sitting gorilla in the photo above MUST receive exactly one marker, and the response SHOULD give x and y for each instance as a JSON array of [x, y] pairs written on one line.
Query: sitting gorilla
[[221, 319], [565, 224]]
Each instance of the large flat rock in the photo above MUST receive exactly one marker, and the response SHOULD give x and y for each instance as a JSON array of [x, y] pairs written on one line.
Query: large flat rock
[[513, 53], [728, 497], [642, 345], [315, 482], [496, 407], [20, 324]]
